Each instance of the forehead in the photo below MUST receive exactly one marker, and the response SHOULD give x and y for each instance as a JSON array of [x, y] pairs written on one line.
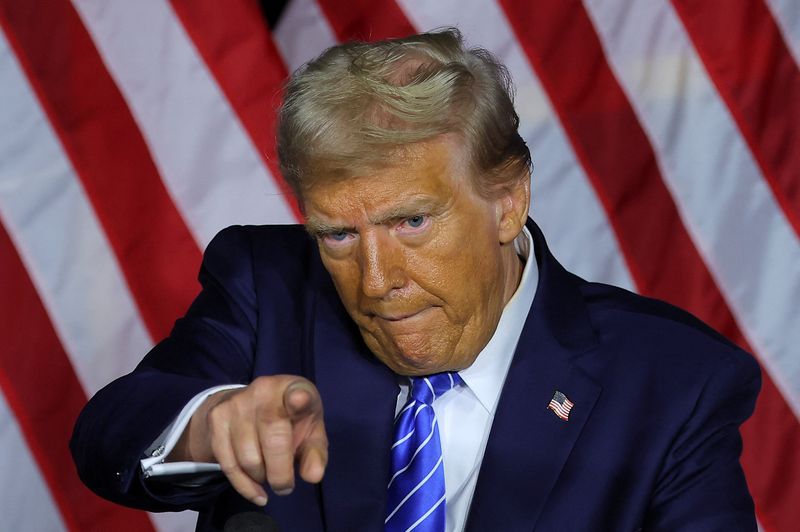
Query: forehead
[[418, 176]]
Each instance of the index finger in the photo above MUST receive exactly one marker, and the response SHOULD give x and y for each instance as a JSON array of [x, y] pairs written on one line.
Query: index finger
[[303, 404]]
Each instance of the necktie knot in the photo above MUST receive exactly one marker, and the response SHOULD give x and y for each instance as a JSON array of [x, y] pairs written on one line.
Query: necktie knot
[[426, 389]]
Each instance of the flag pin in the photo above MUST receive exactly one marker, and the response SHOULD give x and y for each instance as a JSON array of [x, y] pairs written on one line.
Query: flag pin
[[560, 405]]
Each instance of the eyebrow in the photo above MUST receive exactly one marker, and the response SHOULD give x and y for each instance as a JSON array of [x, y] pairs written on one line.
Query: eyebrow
[[316, 227], [419, 205]]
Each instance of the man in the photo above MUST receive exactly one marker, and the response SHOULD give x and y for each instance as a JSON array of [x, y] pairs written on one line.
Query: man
[[421, 360]]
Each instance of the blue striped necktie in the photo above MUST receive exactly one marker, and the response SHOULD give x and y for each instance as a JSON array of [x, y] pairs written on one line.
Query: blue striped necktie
[[416, 493]]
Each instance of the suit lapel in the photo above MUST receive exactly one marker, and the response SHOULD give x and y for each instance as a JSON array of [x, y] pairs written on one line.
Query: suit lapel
[[359, 396], [528, 444]]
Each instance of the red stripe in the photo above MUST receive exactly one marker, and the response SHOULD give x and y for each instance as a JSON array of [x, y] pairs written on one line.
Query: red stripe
[[368, 20], [567, 56], [245, 62], [155, 249], [757, 77], [772, 466], [46, 397]]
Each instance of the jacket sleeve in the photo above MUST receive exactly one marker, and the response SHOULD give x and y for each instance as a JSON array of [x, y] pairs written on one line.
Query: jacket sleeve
[[702, 486], [213, 344]]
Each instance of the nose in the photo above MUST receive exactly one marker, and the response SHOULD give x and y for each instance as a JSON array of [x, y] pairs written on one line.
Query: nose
[[381, 266]]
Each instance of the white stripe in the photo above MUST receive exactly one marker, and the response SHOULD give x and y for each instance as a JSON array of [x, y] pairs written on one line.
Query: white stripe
[[426, 514], [411, 432], [787, 16], [417, 487], [302, 33], [208, 162], [403, 439], [421, 446], [560, 189], [430, 387], [26, 503], [560, 410], [409, 405], [727, 207], [60, 241]]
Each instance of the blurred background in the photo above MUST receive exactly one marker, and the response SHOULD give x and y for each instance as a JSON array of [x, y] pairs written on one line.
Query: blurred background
[[666, 145]]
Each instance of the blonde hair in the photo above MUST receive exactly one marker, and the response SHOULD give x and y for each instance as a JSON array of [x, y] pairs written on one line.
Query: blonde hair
[[347, 110]]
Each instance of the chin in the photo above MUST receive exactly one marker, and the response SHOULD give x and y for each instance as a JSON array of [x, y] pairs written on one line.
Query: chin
[[415, 362], [404, 362], [410, 354]]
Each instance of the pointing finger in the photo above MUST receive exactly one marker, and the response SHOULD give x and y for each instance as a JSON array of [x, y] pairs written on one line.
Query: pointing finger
[[304, 406], [276, 444]]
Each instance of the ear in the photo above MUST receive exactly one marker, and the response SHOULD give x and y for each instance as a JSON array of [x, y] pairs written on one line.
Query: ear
[[512, 208]]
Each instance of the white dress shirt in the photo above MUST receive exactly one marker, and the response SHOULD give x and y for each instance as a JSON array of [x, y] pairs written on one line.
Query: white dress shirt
[[464, 414]]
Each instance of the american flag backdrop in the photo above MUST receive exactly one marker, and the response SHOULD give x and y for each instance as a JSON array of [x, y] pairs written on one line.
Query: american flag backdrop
[[666, 145]]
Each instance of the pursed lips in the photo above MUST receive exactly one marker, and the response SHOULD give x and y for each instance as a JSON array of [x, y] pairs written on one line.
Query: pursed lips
[[399, 316]]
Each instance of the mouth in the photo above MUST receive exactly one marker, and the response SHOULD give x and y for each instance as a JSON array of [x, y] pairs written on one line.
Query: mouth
[[401, 316]]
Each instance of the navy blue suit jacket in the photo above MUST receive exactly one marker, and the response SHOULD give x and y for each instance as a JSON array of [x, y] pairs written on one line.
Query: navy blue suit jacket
[[652, 442]]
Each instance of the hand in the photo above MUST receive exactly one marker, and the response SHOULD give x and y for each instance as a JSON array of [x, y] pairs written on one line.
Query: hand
[[257, 433]]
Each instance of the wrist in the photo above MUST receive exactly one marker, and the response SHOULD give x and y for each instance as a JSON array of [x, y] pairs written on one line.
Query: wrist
[[194, 444]]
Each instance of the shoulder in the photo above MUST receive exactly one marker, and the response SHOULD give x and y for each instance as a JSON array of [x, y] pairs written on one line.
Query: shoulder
[[661, 342], [270, 267], [673, 395], [274, 240], [612, 307], [259, 249]]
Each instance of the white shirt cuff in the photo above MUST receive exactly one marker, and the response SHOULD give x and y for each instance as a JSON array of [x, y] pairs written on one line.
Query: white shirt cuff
[[154, 466]]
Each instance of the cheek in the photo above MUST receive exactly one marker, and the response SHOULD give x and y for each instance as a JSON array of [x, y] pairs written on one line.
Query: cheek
[[463, 283], [458, 259]]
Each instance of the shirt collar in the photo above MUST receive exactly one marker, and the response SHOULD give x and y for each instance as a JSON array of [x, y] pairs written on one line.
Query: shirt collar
[[485, 377]]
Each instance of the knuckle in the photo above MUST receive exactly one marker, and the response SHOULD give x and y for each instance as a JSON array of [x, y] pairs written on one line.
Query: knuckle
[[265, 398], [217, 415], [280, 467], [263, 386], [250, 460], [278, 438]]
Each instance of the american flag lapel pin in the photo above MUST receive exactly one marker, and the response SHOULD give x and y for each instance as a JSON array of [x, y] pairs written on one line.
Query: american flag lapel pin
[[560, 405]]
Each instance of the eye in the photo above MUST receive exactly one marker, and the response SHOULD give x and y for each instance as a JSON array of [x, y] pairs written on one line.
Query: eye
[[416, 221], [336, 238], [414, 225]]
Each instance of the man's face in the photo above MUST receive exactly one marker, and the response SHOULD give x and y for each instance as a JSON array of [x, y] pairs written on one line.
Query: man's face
[[422, 263]]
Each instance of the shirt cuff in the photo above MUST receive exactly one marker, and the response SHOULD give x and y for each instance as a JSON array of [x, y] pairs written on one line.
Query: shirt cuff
[[154, 466]]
